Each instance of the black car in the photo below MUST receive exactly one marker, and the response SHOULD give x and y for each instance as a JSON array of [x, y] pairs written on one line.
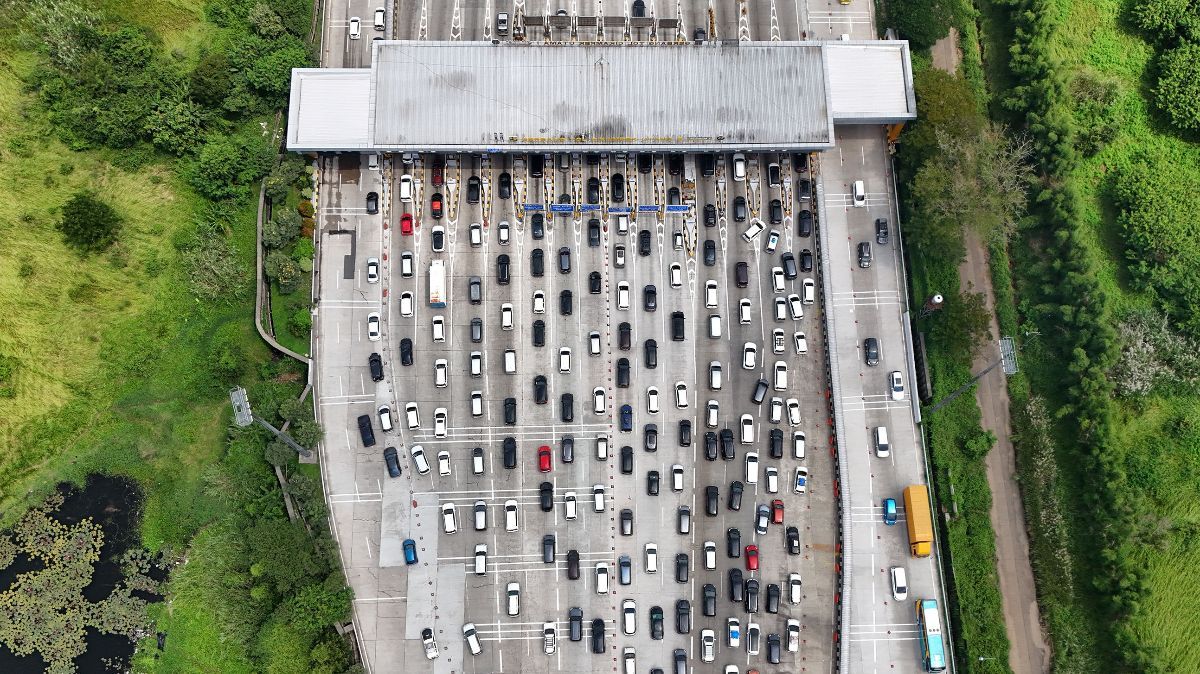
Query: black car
[[864, 255], [735, 495], [871, 351], [366, 431], [510, 453], [375, 362], [546, 496], [793, 540], [881, 231], [775, 444], [733, 542], [568, 449], [806, 260], [536, 164], [710, 215], [804, 188], [597, 636], [567, 404], [800, 161], [740, 212], [712, 497], [537, 262], [741, 274], [673, 196], [678, 326], [683, 616], [593, 233], [736, 589], [651, 437], [573, 565], [539, 332], [593, 190], [789, 266], [624, 336], [476, 330], [473, 185], [644, 242], [564, 303], [708, 605], [548, 544], [708, 165], [618, 188], [624, 570], [392, 460], [685, 432], [752, 595], [372, 202], [675, 164], [623, 373], [727, 450], [626, 522], [775, 211], [710, 253], [438, 238], [645, 161], [540, 394], [564, 260], [653, 480], [406, 351], [575, 615], [651, 354], [538, 225], [510, 411], [759, 394], [475, 290], [773, 649], [505, 186], [710, 445], [503, 269], [772, 602], [627, 460], [681, 568], [804, 224], [565, 198], [594, 283], [656, 622], [650, 297]]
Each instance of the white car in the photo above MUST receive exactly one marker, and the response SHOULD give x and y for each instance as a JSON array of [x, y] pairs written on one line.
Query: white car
[[810, 290], [772, 241], [747, 426], [443, 463], [539, 302], [744, 311], [739, 166], [441, 369], [752, 231], [476, 231], [858, 194], [793, 408], [795, 307], [355, 28], [570, 505], [751, 467], [407, 264], [899, 583], [651, 558], [798, 442], [594, 343], [549, 638], [476, 364], [800, 485], [708, 645], [623, 295], [510, 515], [513, 590], [677, 477], [506, 316], [502, 233], [895, 385], [619, 257], [733, 632], [793, 635], [602, 578], [681, 400], [781, 375], [380, 18], [439, 328], [373, 326], [778, 341], [749, 356], [418, 458], [439, 422], [406, 304], [776, 409], [564, 360], [430, 644], [710, 555], [794, 588], [801, 343], [771, 473], [676, 275], [777, 279], [710, 294], [598, 400], [372, 270], [406, 188], [652, 400], [628, 616], [780, 308], [449, 525]]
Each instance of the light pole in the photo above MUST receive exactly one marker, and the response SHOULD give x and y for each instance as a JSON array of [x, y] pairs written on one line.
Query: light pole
[[243, 416]]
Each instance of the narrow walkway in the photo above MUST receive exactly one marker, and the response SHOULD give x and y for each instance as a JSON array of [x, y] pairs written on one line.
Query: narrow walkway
[[1028, 653], [260, 289]]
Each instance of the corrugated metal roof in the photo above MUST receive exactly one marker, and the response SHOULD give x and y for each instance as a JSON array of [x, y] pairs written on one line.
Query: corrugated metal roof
[[870, 82], [330, 108], [461, 94]]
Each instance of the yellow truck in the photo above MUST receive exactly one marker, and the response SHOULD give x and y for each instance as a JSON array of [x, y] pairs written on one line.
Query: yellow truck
[[920, 521]]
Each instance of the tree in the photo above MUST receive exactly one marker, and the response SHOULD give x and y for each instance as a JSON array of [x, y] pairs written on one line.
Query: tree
[[284, 555], [307, 433], [1168, 20], [922, 22], [278, 453], [1177, 92], [226, 354], [174, 125], [319, 605], [282, 269], [265, 22], [210, 81], [961, 326], [281, 230], [88, 223], [283, 176], [948, 106], [272, 74], [294, 409], [225, 164]]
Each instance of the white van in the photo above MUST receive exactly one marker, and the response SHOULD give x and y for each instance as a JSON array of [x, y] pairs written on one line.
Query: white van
[[564, 360], [477, 403], [413, 417], [480, 559], [510, 515], [602, 578], [472, 639], [882, 449], [448, 523], [714, 326], [598, 497], [480, 516], [858, 194], [439, 328], [419, 459], [899, 583], [510, 361]]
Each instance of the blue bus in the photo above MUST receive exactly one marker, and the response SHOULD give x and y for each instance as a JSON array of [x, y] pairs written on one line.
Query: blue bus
[[929, 623]]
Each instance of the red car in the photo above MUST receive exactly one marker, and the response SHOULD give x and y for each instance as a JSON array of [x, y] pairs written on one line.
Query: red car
[[777, 512], [406, 224], [544, 459], [438, 174], [435, 205], [752, 558]]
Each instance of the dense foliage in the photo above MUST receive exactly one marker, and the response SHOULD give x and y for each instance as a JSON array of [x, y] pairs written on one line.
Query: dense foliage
[[921, 22], [89, 224], [1174, 25]]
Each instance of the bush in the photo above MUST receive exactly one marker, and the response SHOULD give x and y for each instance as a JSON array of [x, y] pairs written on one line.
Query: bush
[[283, 270], [303, 252], [1177, 92], [281, 230], [88, 223], [226, 164], [226, 353], [307, 433], [287, 174], [305, 208], [300, 322], [1167, 20], [922, 22]]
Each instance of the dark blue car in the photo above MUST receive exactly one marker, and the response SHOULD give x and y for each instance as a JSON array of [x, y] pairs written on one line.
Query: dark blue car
[[410, 551], [627, 418]]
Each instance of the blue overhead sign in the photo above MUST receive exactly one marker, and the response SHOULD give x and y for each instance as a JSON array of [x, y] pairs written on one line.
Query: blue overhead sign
[[533, 207], [677, 208], [619, 209], [642, 208], [589, 207], [561, 208]]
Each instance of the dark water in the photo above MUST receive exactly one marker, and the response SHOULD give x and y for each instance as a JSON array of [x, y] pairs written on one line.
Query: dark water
[[114, 503]]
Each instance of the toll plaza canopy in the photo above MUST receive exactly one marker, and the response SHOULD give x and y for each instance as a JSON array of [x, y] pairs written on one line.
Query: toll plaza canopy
[[520, 97]]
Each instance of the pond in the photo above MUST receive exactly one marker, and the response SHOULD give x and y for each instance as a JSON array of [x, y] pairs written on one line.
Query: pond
[[114, 506]]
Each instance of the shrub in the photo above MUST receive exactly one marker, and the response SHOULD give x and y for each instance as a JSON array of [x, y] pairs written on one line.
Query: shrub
[[226, 354], [288, 173], [307, 227], [283, 270], [922, 22], [1167, 20], [226, 164], [300, 322], [305, 208], [88, 223], [303, 252], [307, 433], [281, 230], [1177, 92]]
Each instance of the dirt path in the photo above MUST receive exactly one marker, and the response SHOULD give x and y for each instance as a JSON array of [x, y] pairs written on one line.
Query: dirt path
[[1027, 652]]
